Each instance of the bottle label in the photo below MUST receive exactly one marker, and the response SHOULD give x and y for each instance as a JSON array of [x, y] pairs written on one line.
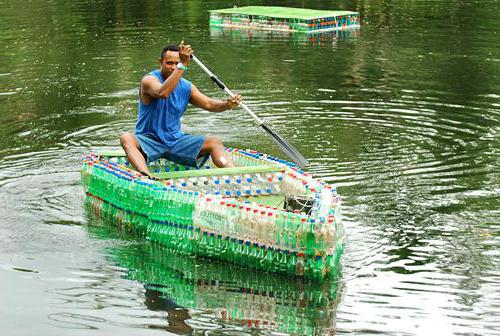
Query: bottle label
[[210, 219]]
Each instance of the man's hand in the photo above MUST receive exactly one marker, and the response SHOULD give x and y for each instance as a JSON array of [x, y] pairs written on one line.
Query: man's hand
[[234, 101], [185, 52]]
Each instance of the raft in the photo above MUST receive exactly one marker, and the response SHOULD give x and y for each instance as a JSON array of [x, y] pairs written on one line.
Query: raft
[[284, 19], [264, 214]]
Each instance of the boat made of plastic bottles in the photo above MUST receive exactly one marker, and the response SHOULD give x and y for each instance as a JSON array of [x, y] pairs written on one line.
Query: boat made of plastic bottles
[[264, 214]]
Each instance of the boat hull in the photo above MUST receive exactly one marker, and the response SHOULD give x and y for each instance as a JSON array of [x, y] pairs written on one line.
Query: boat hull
[[265, 215]]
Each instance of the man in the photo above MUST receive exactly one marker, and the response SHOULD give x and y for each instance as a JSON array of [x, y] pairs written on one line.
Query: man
[[163, 99]]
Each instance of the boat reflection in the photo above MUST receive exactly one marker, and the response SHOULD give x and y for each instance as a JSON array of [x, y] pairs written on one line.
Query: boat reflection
[[190, 288], [322, 39]]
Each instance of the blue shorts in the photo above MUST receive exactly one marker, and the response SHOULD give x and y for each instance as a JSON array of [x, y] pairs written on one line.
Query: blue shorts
[[185, 150]]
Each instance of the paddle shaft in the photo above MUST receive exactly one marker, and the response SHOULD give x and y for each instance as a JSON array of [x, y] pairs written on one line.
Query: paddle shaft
[[285, 146], [224, 87]]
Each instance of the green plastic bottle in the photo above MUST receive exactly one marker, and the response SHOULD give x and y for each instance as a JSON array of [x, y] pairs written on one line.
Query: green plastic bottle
[[267, 262], [238, 257], [319, 269], [253, 258], [226, 254], [309, 267], [211, 245], [191, 243], [184, 242], [310, 240], [277, 260], [283, 262], [203, 248], [245, 254], [260, 257]]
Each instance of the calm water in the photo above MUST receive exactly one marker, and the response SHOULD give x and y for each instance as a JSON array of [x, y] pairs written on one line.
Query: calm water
[[404, 115]]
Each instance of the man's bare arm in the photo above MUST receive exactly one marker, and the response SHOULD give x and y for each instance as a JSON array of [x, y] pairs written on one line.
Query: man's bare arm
[[152, 87], [198, 99]]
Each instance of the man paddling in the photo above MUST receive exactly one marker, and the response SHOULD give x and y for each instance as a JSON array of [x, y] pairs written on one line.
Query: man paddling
[[163, 99]]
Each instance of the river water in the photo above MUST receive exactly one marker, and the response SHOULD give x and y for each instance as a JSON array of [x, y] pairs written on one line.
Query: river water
[[403, 115]]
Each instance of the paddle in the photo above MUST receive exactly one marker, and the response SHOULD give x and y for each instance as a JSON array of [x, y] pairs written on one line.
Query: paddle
[[285, 146]]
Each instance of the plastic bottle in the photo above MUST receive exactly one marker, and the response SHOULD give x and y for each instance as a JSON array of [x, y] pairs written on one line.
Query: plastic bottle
[[231, 252], [192, 245], [309, 268], [277, 255], [245, 254], [236, 186], [302, 232], [311, 244], [260, 257], [283, 262], [271, 228], [267, 262], [211, 245], [300, 265], [203, 184], [215, 183], [253, 261], [226, 255], [203, 246], [319, 269], [219, 247]]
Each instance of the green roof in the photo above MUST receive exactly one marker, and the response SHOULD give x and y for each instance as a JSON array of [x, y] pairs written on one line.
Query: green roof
[[282, 12]]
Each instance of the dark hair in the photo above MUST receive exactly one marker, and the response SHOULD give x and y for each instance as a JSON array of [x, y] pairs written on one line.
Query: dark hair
[[170, 47]]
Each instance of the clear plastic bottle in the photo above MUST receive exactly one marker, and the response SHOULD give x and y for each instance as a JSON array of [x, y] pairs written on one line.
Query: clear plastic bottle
[[300, 265]]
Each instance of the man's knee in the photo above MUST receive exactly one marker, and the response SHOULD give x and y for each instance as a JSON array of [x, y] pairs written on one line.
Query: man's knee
[[213, 142], [127, 140]]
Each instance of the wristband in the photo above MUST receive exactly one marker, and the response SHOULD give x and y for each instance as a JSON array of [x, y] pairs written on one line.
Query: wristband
[[181, 66]]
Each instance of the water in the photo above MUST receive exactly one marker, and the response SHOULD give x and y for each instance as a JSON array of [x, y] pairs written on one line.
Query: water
[[403, 115]]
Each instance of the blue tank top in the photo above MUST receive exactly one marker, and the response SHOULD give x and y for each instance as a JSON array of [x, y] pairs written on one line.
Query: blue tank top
[[161, 119]]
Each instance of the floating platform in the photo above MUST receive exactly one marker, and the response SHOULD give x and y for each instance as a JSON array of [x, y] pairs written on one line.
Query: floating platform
[[284, 19], [264, 214]]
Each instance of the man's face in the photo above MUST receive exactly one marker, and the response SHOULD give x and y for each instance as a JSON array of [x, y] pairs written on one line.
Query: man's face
[[169, 62]]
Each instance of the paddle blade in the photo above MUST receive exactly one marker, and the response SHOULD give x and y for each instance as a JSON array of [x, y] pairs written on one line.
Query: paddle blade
[[287, 148]]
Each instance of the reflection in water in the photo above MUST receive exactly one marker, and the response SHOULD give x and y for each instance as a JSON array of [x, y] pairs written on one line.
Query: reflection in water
[[227, 294], [322, 39], [177, 315]]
